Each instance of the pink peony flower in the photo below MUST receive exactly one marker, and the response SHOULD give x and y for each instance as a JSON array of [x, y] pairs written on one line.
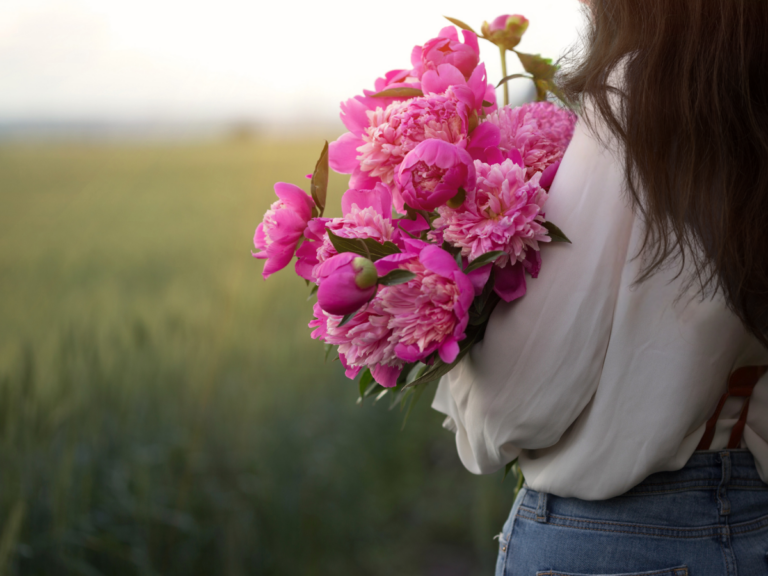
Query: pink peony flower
[[395, 79], [307, 252], [399, 128], [433, 172], [503, 212], [383, 130], [282, 228], [347, 282], [355, 116], [473, 91], [430, 312], [540, 131], [447, 49], [365, 341]]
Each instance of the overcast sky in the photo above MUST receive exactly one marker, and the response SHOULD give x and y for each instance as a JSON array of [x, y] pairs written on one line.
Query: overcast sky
[[273, 60]]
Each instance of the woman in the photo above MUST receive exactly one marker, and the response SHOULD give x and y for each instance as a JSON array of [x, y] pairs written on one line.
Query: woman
[[629, 382]]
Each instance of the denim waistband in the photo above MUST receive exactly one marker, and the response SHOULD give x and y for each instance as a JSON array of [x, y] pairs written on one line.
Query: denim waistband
[[734, 469]]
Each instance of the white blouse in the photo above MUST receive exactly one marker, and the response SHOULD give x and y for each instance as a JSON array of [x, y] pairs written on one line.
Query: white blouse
[[593, 381]]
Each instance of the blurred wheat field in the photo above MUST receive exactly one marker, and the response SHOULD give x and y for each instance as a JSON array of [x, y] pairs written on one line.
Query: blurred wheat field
[[163, 410]]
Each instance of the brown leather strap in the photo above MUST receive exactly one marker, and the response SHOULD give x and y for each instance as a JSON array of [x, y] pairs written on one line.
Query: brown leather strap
[[741, 384]]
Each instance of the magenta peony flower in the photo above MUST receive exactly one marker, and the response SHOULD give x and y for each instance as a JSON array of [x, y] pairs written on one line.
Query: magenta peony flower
[[506, 31], [347, 282], [433, 172], [503, 212], [540, 131], [282, 228], [473, 91], [365, 341], [447, 49], [429, 313]]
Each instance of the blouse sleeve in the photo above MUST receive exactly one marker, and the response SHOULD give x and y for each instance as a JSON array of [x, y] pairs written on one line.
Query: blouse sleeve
[[542, 356]]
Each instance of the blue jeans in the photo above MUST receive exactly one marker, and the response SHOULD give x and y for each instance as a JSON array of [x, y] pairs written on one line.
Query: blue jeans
[[708, 519]]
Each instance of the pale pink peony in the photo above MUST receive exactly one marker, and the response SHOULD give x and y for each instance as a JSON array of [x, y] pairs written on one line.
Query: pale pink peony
[[367, 214], [540, 131], [359, 223], [282, 228], [503, 212], [364, 342], [433, 173], [447, 49], [429, 313], [400, 127]]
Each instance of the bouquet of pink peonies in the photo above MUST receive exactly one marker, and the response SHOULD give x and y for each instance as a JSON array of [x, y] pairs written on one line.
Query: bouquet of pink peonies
[[444, 215]]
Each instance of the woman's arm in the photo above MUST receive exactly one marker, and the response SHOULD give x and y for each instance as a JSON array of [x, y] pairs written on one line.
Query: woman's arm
[[542, 356]]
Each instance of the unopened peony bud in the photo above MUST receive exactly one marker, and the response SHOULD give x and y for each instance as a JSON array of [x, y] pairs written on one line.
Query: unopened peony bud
[[346, 283], [506, 31]]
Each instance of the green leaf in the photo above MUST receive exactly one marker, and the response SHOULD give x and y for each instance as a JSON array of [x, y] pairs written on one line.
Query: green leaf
[[397, 277], [347, 318], [416, 372], [313, 292], [555, 233], [508, 468], [520, 480], [537, 66], [367, 247], [488, 290], [414, 398], [365, 381], [458, 199], [451, 249], [481, 318], [460, 24], [486, 258], [512, 77], [328, 348], [403, 92], [319, 184], [409, 374], [555, 89], [487, 104]]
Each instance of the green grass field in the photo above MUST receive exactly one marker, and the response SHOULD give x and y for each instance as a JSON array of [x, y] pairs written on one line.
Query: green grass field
[[163, 410]]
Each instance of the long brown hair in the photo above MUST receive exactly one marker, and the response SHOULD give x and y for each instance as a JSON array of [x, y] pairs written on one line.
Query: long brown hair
[[691, 112]]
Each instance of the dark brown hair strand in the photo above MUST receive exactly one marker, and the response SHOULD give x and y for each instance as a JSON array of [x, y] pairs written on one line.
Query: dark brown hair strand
[[691, 113]]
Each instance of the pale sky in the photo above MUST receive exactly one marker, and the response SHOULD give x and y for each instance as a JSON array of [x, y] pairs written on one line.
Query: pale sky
[[202, 59]]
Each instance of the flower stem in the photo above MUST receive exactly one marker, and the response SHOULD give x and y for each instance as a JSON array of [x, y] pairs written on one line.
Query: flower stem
[[503, 52]]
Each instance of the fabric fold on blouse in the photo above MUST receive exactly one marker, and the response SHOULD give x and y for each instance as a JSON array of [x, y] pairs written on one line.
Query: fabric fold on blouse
[[593, 380]]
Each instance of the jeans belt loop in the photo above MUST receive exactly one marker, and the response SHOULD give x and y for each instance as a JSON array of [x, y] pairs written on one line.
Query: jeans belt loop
[[541, 508], [723, 503]]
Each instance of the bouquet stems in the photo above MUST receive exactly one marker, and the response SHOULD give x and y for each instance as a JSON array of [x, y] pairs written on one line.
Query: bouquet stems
[[503, 52]]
